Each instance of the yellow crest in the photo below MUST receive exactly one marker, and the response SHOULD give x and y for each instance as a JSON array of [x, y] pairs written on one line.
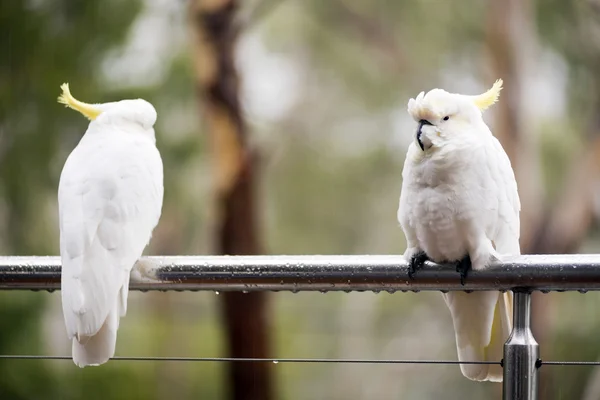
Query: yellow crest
[[88, 110], [485, 100]]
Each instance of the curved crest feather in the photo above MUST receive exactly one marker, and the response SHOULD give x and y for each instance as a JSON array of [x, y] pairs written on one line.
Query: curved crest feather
[[487, 99]]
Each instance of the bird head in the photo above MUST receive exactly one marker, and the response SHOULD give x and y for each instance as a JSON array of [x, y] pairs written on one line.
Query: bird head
[[444, 117], [133, 112]]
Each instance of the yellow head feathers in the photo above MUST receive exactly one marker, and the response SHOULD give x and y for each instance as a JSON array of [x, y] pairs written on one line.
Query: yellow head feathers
[[88, 110], [485, 100]]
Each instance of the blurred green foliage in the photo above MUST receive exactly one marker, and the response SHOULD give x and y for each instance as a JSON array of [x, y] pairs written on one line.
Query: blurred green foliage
[[330, 179], [43, 44]]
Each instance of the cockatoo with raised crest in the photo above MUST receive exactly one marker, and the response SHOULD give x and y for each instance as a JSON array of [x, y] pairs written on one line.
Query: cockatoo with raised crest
[[459, 204], [109, 199]]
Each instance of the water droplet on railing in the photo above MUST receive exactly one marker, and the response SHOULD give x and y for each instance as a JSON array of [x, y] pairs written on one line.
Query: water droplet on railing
[[275, 362], [217, 292]]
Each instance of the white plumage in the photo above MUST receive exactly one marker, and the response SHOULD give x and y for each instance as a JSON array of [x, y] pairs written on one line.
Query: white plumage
[[459, 197], [110, 199]]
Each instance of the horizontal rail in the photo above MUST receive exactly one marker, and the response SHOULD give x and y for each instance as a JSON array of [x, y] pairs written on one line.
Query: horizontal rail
[[321, 273]]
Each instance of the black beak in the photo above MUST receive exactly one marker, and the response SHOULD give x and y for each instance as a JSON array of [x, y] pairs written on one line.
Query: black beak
[[421, 123]]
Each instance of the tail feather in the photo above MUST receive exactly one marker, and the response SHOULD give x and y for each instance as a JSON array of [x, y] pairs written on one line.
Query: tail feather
[[482, 322], [501, 329], [97, 349]]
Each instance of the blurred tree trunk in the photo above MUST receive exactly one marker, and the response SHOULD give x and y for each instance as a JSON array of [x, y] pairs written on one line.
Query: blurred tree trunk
[[512, 48], [245, 315], [562, 227]]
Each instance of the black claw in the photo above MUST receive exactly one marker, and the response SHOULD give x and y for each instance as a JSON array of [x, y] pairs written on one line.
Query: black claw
[[463, 266], [416, 262]]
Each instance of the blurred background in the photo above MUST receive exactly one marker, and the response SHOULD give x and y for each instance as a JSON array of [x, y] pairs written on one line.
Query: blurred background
[[283, 129]]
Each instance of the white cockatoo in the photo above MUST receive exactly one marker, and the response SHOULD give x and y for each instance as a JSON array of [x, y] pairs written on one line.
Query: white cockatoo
[[109, 199], [459, 203]]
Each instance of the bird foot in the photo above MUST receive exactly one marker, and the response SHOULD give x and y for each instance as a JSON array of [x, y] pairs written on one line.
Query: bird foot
[[417, 262], [462, 267]]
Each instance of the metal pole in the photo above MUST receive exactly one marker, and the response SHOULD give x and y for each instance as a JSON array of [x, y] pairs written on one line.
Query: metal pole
[[321, 272], [521, 353]]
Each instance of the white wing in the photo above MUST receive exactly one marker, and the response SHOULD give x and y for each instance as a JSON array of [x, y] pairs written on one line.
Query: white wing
[[406, 204], [110, 199], [483, 320], [508, 226]]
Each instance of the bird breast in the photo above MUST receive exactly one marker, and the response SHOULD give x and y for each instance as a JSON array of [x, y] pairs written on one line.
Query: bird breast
[[444, 196], [437, 226]]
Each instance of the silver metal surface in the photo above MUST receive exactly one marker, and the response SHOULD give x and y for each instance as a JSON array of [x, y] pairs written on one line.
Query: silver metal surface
[[322, 273], [521, 354]]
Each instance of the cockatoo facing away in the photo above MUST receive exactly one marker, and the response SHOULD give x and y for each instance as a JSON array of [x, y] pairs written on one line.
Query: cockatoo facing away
[[459, 203], [110, 199]]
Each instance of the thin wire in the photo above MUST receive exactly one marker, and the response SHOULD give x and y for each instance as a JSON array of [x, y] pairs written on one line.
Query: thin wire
[[572, 363], [271, 360], [298, 360]]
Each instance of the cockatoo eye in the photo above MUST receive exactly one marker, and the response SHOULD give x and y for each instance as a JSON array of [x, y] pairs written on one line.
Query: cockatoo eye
[[446, 118]]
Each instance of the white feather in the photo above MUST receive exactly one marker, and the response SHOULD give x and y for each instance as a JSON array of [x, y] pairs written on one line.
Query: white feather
[[460, 197], [110, 199]]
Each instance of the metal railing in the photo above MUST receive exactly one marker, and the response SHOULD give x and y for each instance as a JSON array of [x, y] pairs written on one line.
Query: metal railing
[[521, 274]]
